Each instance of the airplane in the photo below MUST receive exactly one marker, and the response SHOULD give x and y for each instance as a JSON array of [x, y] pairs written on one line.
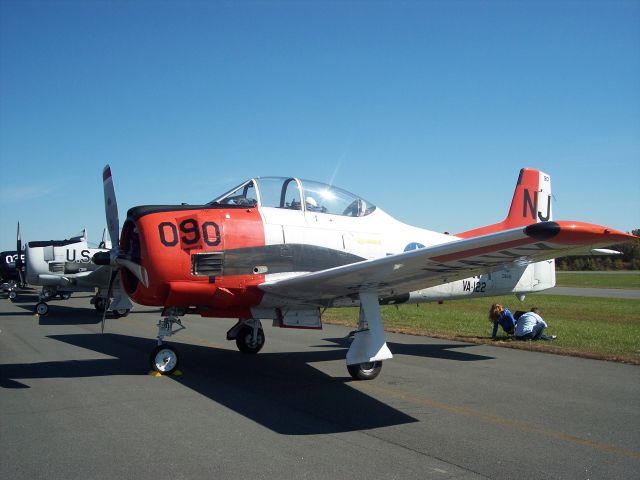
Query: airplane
[[284, 249], [10, 273], [62, 267], [12, 269]]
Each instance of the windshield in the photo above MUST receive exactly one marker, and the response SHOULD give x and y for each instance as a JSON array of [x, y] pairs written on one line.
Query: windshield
[[243, 195]]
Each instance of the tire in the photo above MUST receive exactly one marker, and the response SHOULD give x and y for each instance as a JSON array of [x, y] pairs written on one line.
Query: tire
[[121, 312], [243, 340], [64, 296], [365, 371], [12, 295], [42, 308], [164, 359]]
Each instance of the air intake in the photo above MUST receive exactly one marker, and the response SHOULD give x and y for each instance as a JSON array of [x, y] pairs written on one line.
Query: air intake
[[207, 264]]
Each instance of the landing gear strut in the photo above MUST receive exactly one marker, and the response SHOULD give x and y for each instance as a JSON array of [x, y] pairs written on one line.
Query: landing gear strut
[[165, 358], [364, 358]]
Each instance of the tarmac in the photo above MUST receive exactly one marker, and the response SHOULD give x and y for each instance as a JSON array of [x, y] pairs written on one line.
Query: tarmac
[[77, 404], [594, 292]]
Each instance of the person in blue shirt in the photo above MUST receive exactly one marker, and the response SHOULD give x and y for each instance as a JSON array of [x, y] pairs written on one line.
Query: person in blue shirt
[[503, 317]]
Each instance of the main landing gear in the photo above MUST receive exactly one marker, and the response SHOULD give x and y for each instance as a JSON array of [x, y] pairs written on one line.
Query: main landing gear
[[364, 357], [369, 348], [248, 334]]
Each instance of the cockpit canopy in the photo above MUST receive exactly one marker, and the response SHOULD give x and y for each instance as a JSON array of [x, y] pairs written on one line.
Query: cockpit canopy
[[281, 192]]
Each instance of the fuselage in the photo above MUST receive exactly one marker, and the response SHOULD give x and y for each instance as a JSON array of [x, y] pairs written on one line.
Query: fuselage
[[64, 264], [214, 257]]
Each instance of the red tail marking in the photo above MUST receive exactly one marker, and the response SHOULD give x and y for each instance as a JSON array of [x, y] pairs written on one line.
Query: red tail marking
[[524, 206]]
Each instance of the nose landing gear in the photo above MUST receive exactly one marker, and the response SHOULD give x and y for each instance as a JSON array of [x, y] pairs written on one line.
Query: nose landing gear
[[165, 359]]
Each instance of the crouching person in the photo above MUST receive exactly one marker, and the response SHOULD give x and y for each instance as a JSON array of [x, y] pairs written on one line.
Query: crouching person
[[530, 326], [501, 316]]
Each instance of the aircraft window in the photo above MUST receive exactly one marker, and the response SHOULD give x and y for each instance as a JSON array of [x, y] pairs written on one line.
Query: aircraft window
[[279, 192], [323, 198], [290, 197], [242, 196]]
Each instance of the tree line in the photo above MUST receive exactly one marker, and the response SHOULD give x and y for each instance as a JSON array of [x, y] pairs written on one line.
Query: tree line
[[629, 260]]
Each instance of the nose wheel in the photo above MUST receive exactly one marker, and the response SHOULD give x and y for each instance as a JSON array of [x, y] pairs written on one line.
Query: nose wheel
[[42, 308], [164, 359]]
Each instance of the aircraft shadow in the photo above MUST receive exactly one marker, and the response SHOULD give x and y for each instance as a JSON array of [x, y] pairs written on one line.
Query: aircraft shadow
[[281, 391], [64, 315], [442, 351], [23, 297]]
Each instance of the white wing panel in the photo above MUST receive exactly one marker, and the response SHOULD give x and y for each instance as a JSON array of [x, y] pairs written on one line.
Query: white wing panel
[[427, 267]]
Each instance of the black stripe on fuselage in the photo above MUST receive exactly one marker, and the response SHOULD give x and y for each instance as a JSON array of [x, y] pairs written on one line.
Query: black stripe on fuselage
[[282, 258], [136, 213]]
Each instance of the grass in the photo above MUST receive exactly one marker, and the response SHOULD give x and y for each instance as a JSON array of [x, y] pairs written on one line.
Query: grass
[[600, 328], [598, 279]]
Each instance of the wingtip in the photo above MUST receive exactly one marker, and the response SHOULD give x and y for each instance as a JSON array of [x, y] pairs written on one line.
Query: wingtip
[[569, 232]]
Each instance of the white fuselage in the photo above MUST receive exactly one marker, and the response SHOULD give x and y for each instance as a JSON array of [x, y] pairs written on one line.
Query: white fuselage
[[67, 266]]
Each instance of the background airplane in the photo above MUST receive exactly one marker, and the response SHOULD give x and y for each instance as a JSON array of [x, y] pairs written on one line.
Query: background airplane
[[12, 269], [10, 273], [62, 267], [283, 249]]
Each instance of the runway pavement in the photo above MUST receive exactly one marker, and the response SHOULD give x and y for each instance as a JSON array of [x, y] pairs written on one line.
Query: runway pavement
[[75, 404], [594, 292]]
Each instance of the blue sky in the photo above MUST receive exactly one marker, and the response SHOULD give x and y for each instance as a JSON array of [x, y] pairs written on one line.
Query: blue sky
[[427, 109]]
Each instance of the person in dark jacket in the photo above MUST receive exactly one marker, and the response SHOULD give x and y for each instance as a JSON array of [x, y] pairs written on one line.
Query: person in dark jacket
[[503, 317]]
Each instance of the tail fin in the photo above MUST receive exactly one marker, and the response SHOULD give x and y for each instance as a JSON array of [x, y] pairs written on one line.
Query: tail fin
[[531, 204]]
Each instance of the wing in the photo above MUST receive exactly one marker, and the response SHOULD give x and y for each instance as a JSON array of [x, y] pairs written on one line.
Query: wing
[[435, 265]]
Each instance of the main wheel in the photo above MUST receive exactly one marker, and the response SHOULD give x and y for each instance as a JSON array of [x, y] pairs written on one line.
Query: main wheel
[[365, 371], [245, 343], [121, 312], [64, 296], [42, 308], [164, 359], [12, 295]]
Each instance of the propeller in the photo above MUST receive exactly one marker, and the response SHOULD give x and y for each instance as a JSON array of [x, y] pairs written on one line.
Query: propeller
[[107, 304], [115, 257], [19, 262]]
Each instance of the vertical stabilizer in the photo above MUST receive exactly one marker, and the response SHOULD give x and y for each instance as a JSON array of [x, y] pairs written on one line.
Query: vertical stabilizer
[[531, 203]]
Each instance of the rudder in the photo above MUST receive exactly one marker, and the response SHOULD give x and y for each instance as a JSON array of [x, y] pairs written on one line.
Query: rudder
[[531, 203]]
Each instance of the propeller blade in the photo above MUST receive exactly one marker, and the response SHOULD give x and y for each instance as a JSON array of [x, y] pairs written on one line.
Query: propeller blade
[[107, 304], [139, 271], [113, 227], [18, 247], [111, 206], [19, 262]]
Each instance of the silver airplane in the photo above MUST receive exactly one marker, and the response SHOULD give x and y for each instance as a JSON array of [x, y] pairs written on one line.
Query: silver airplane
[[62, 267]]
